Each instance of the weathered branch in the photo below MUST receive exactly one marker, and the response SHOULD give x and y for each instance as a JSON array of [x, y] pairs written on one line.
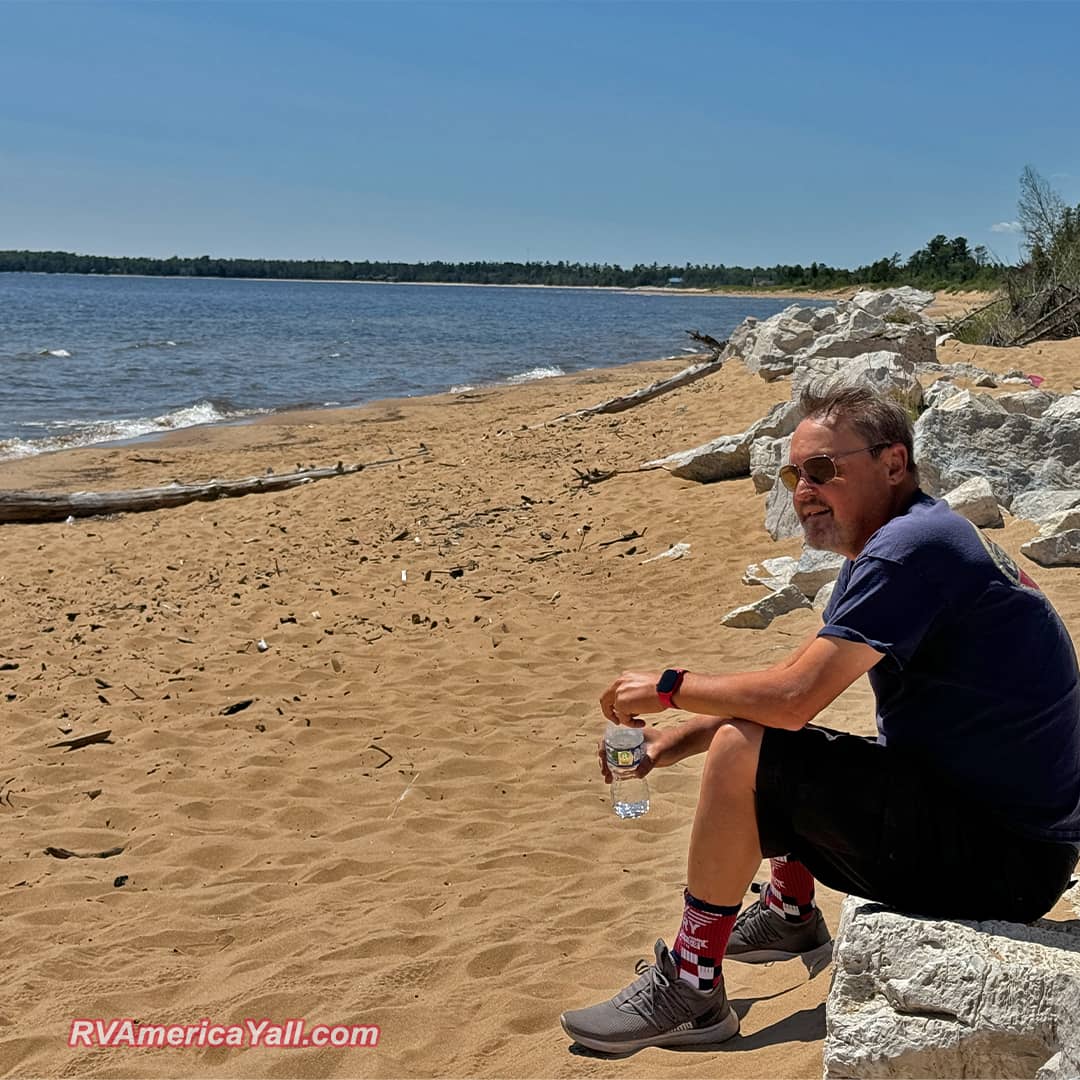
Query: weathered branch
[[37, 506], [647, 393], [1050, 322]]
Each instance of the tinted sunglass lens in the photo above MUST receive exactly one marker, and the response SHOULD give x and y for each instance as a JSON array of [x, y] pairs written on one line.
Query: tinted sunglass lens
[[789, 477], [819, 470]]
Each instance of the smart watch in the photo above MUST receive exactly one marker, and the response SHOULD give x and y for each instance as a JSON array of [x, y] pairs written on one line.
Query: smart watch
[[668, 686]]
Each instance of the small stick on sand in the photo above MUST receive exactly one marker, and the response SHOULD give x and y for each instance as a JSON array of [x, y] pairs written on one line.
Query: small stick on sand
[[82, 740], [402, 796]]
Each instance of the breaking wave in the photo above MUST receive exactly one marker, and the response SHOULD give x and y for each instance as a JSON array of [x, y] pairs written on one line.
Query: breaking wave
[[535, 373], [69, 434]]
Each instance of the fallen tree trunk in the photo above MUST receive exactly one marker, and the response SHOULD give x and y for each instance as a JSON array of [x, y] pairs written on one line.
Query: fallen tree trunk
[[1049, 323], [38, 506], [646, 393]]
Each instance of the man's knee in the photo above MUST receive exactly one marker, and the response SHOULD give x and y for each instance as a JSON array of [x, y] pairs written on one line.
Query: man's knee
[[733, 754]]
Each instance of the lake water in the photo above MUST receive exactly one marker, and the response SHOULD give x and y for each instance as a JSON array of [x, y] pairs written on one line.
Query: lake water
[[96, 359]]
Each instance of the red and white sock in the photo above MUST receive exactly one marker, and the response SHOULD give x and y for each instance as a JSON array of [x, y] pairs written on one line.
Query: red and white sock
[[790, 891], [703, 937]]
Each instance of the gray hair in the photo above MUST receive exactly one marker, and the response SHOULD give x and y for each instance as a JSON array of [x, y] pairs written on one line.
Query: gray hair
[[877, 418]]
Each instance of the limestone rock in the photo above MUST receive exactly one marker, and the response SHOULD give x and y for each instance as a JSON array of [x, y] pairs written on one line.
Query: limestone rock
[[727, 457], [1058, 523], [766, 457], [921, 997], [765, 347], [887, 301], [758, 615], [774, 574], [1044, 503], [886, 372], [968, 372], [1016, 453], [1028, 402], [965, 399], [1057, 549], [914, 342], [782, 419], [816, 569], [975, 500], [781, 521], [939, 391], [823, 596], [772, 347], [724, 458], [1065, 407]]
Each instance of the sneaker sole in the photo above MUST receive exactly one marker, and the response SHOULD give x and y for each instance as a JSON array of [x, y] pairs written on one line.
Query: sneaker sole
[[710, 1036], [769, 956]]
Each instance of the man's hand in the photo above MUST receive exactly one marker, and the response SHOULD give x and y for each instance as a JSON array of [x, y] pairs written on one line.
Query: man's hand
[[633, 692], [668, 745], [658, 752]]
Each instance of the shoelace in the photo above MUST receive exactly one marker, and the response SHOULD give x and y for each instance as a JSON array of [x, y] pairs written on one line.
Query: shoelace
[[652, 1004]]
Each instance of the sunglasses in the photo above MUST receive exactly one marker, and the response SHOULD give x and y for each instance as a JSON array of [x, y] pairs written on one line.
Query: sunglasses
[[821, 468]]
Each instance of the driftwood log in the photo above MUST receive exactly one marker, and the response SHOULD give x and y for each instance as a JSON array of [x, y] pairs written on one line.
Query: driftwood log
[[37, 506], [1055, 323], [646, 393]]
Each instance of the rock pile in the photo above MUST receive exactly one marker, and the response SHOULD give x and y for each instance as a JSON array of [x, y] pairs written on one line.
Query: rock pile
[[1017, 450], [890, 321], [925, 997]]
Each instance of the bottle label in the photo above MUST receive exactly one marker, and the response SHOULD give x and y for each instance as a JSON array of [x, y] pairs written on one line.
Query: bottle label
[[624, 759]]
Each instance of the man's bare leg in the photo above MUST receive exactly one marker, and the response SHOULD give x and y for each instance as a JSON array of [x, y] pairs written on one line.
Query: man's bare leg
[[725, 851]]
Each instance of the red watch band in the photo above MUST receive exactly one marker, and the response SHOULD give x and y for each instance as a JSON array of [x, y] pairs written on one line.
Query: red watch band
[[667, 697]]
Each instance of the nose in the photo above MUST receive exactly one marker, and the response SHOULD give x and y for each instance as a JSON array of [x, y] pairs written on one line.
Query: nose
[[802, 484], [805, 492]]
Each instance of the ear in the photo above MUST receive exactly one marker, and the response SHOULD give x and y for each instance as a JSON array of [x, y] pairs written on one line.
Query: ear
[[895, 458]]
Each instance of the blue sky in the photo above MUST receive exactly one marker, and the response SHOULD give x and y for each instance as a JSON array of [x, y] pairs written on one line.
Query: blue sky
[[741, 133]]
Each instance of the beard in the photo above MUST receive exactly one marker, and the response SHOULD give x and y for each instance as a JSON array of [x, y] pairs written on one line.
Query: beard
[[821, 531]]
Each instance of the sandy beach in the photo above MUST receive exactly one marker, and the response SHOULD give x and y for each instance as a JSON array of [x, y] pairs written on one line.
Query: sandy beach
[[393, 814]]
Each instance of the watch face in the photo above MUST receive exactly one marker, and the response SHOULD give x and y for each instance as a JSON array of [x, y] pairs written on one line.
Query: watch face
[[668, 681]]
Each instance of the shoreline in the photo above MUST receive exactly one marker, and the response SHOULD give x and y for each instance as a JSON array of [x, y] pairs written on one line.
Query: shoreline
[[269, 416], [841, 292], [946, 305]]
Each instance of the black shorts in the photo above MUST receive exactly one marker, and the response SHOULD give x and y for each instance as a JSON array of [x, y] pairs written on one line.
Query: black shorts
[[867, 820]]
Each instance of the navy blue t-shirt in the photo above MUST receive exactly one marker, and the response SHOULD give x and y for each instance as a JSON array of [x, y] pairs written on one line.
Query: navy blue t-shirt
[[978, 676]]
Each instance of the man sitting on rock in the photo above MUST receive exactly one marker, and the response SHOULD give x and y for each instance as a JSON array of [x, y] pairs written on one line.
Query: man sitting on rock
[[968, 804]]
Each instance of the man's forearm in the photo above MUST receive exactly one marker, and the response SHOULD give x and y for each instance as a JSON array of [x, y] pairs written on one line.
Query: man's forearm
[[770, 698], [695, 735], [786, 696]]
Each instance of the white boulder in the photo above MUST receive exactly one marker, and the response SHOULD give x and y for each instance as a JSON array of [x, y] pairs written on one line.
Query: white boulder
[[1028, 402], [814, 570], [766, 457], [1057, 549], [1043, 503], [823, 596], [886, 372], [975, 500], [758, 615], [1065, 407], [915, 997], [725, 458], [772, 347], [973, 436], [774, 574], [939, 391], [887, 301]]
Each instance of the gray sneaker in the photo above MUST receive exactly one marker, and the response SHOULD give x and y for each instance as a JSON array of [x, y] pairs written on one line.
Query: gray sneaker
[[658, 1009], [761, 935]]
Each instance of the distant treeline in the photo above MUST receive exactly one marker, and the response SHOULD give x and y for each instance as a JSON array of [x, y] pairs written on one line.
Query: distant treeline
[[942, 263]]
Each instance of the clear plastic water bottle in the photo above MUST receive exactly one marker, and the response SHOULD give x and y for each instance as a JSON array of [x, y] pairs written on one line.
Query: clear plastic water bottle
[[624, 749]]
